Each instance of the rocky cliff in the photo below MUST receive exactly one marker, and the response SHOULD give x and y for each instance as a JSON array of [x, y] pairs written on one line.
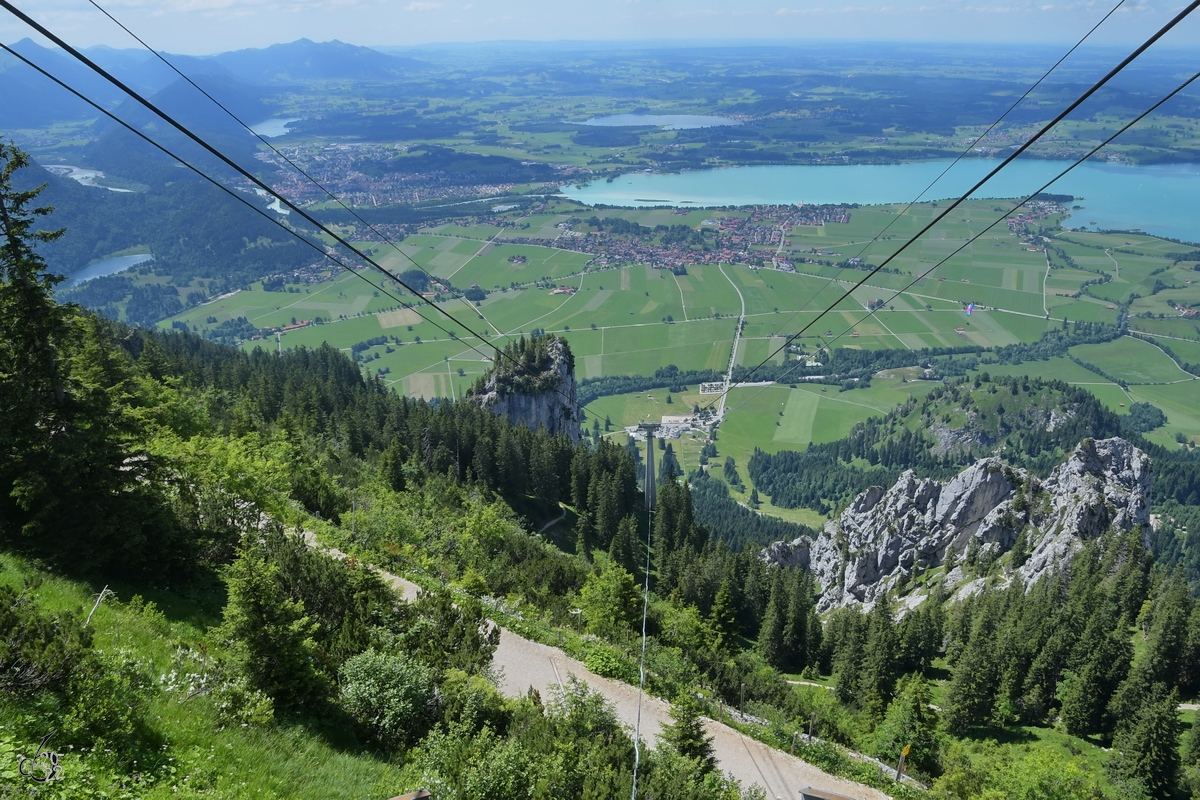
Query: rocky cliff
[[533, 383], [974, 518]]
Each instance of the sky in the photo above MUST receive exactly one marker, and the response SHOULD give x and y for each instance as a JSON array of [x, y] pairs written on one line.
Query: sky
[[202, 27]]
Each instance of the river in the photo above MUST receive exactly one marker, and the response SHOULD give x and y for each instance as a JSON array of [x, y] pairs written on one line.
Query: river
[[1160, 199]]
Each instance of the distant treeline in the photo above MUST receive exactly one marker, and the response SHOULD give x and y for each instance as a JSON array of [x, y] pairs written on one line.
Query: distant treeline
[[737, 525], [669, 377]]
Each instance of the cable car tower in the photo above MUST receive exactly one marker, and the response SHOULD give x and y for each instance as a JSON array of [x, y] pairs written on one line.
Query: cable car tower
[[651, 494]]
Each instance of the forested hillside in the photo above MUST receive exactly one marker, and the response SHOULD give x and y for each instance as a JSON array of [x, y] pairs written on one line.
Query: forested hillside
[[176, 472], [1031, 422], [158, 465]]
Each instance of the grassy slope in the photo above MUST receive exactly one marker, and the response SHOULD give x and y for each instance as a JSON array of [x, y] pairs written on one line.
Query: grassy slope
[[274, 762]]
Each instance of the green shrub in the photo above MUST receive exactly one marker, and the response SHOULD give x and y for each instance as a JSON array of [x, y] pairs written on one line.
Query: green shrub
[[390, 695], [607, 662]]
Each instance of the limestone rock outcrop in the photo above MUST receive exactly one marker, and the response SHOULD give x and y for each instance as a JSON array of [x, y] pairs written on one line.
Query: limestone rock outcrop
[[884, 534], [540, 392]]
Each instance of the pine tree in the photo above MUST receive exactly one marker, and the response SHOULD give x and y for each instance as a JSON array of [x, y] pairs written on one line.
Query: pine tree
[[909, 721], [584, 536], [795, 631], [724, 617], [770, 633], [1148, 748], [877, 680], [624, 548], [686, 735]]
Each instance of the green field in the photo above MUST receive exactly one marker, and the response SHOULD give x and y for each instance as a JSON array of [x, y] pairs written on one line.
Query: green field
[[632, 319], [1132, 360]]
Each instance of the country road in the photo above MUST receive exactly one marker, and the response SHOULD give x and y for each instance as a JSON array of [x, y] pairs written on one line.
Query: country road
[[522, 663]]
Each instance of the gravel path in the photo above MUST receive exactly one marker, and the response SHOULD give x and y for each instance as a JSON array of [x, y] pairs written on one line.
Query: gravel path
[[522, 664]]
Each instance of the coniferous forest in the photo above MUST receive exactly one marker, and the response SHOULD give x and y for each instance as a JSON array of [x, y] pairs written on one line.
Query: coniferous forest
[[163, 613]]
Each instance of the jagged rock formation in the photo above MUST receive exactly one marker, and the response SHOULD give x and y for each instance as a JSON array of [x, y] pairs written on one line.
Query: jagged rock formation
[[533, 384], [877, 542]]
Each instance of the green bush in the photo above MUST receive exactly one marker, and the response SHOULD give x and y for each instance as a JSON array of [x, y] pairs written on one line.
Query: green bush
[[37, 650], [390, 695], [607, 662]]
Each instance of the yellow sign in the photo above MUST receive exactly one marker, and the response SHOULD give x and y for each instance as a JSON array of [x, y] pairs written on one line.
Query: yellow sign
[[907, 747]]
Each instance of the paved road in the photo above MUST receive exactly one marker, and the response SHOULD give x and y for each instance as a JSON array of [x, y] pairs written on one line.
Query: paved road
[[523, 663]]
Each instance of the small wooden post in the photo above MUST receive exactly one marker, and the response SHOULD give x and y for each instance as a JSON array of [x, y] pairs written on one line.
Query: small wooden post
[[900, 763]]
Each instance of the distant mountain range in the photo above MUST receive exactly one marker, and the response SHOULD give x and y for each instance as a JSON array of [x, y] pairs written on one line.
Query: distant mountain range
[[304, 60], [32, 101]]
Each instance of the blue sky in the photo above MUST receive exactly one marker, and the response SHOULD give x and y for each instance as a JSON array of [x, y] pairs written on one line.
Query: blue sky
[[211, 26]]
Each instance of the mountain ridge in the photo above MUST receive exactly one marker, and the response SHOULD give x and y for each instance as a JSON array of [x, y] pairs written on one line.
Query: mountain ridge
[[886, 538]]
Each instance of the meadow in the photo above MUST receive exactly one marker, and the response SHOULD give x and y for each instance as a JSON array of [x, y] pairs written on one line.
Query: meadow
[[632, 319]]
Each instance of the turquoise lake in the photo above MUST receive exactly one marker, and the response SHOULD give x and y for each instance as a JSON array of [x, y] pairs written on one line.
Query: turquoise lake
[[276, 126], [108, 266], [668, 122], [1161, 199]]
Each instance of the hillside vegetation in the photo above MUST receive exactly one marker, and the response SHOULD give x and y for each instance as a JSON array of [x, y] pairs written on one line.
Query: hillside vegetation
[[235, 660]]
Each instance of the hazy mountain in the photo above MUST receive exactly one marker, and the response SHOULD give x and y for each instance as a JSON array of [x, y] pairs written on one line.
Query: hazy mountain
[[118, 152], [187, 105], [307, 60], [31, 100], [143, 72]]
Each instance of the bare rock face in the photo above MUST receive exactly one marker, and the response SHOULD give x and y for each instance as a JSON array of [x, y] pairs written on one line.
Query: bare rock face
[[884, 535], [540, 394]]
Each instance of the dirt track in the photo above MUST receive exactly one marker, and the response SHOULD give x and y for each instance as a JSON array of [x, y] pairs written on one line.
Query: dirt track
[[523, 663]]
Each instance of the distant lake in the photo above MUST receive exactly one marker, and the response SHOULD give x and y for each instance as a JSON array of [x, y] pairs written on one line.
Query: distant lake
[[669, 122], [276, 126], [1160, 199], [108, 266]]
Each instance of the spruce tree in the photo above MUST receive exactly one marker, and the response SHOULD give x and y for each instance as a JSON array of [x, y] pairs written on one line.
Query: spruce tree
[[795, 630], [581, 463], [624, 548], [1148, 748], [72, 485], [909, 721], [770, 633], [876, 681], [1191, 745], [686, 735], [268, 636], [584, 536], [973, 686], [724, 617], [845, 641]]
